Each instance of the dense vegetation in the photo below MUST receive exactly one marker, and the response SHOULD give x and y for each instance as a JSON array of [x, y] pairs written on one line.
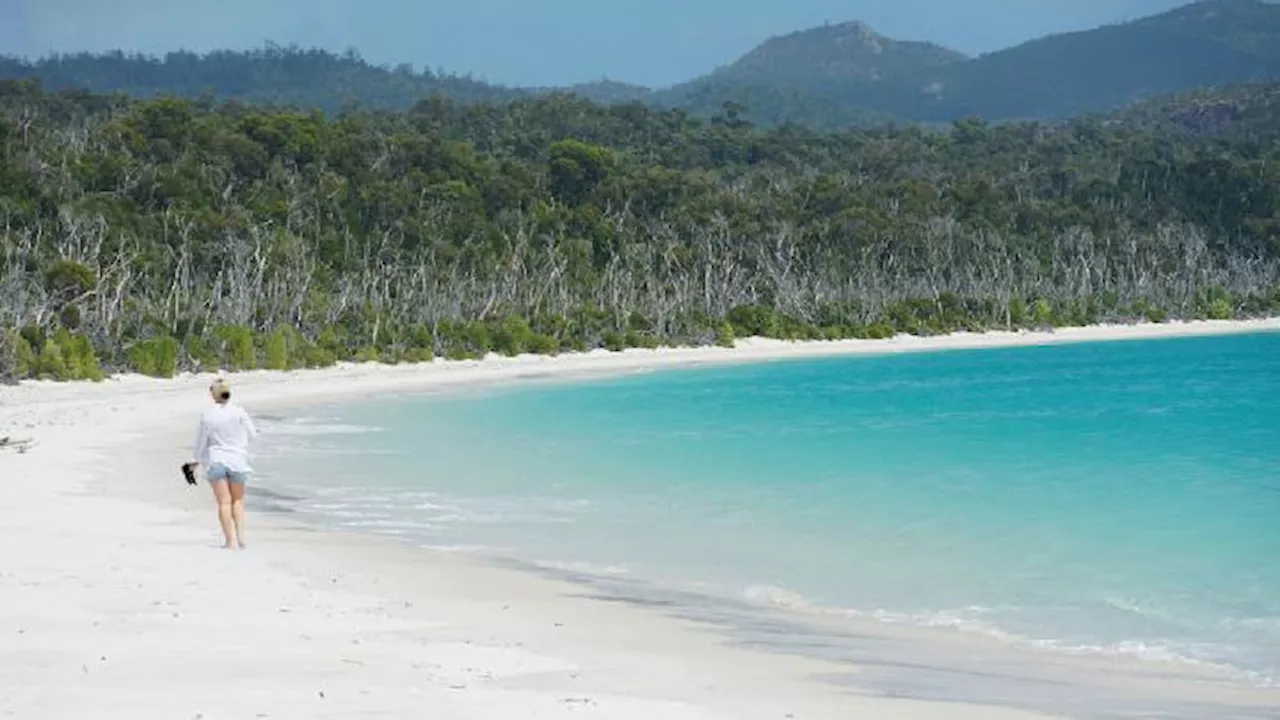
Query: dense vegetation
[[1216, 42], [272, 75], [849, 75], [816, 77], [832, 77], [164, 234], [1243, 113]]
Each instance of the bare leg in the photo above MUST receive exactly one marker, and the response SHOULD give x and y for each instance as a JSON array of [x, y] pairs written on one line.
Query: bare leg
[[222, 495], [237, 509]]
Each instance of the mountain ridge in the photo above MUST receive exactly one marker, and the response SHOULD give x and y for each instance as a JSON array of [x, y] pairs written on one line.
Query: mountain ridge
[[1066, 74], [827, 77]]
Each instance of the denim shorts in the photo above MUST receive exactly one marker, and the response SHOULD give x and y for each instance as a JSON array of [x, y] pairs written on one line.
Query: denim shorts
[[219, 472]]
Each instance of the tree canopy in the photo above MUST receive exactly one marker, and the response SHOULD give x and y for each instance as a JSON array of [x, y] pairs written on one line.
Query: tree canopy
[[831, 77], [170, 233]]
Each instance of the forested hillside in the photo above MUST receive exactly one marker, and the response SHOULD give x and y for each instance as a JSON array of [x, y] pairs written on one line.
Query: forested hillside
[[832, 62], [1204, 44], [849, 75], [1240, 112], [833, 77], [162, 234], [273, 75]]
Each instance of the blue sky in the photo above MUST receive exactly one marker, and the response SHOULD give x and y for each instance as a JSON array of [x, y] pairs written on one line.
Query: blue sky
[[652, 42]]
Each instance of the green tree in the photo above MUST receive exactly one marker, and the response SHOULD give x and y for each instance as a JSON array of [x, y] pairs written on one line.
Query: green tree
[[238, 350], [256, 235], [156, 357], [51, 365], [576, 169], [17, 359]]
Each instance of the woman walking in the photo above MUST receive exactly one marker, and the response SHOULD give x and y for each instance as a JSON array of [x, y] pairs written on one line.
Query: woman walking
[[222, 450]]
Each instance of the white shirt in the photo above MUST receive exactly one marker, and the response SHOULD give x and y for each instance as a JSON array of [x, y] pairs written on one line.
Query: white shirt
[[225, 432]]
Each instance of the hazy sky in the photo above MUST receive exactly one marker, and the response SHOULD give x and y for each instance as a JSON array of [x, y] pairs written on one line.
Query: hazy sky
[[653, 42]]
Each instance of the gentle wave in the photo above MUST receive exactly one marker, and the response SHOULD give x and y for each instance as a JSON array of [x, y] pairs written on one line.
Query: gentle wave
[[306, 429], [461, 549], [777, 597], [387, 524], [584, 568], [430, 514], [284, 450], [348, 502], [356, 508], [977, 620]]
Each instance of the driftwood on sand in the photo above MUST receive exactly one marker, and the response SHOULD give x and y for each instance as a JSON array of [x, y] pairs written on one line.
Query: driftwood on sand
[[20, 444]]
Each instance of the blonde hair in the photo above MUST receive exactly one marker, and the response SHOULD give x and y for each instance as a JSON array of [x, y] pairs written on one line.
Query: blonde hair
[[221, 389]]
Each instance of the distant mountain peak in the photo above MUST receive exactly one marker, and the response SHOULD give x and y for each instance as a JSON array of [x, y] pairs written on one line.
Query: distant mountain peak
[[1230, 4], [855, 27], [1214, 10], [859, 32], [851, 33], [845, 50], [835, 75]]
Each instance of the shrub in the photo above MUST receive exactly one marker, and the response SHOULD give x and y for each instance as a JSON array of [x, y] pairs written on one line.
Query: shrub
[[637, 339], [879, 331], [78, 356], [281, 349], [614, 341], [201, 353], [34, 335], [317, 356], [1017, 313], [157, 357], [333, 340], [1042, 312], [25, 361], [69, 278], [755, 320], [50, 365], [477, 335], [237, 347], [512, 336], [725, 336], [17, 359], [543, 345], [70, 317], [418, 355]]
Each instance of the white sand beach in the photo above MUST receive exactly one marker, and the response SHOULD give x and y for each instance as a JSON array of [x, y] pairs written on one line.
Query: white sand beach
[[115, 601]]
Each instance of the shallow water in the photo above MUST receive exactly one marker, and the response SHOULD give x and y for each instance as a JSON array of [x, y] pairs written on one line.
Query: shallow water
[[1110, 498]]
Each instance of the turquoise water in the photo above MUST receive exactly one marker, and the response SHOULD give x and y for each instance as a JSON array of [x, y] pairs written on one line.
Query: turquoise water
[[1115, 497]]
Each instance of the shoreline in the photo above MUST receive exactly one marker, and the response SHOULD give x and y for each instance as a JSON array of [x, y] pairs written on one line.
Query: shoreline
[[120, 602], [376, 378]]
